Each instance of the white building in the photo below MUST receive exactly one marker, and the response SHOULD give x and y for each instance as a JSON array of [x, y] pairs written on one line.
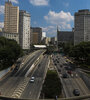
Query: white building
[[43, 35], [82, 26], [24, 29]]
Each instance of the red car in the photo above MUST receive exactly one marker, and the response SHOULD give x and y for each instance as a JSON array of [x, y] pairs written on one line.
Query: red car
[[69, 72]]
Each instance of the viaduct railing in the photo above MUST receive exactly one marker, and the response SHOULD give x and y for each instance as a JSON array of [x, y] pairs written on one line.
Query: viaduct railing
[[70, 98]]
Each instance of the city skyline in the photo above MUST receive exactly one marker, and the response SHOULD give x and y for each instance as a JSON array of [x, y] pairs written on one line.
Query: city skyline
[[48, 14]]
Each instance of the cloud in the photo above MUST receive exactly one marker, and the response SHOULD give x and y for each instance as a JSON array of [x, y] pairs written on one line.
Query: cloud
[[39, 2], [1, 9], [14, 1], [50, 30], [1, 24], [63, 19]]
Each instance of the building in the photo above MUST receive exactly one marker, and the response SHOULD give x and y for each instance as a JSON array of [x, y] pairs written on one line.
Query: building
[[36, 35], [54, 40], [47, 41], [43, 35], [24, 29], [82, 26], [1, 33], [65, 37], [0, 29], [11, 21]]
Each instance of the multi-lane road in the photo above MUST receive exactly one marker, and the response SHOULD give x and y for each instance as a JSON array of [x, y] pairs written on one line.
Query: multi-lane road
[[33, 89], [72, 81], [15, 83]]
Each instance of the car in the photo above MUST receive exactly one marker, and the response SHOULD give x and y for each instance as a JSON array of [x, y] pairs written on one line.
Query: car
[[76, 92], [69, 72], [32, 79], [65, 75], [0, 92], [22, 63], [57, 61], [68, 68], [60, 65], [59, 70]]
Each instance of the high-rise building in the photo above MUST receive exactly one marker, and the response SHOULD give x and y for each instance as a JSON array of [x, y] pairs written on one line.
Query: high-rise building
[[65, 37], [54, 40], [24, 29], [47, 41], [36, 35], [11, 21], [82, 26]]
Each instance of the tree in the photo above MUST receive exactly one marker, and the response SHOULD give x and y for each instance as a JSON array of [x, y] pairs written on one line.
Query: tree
[[52, 85], [9, 52], [81, 52]]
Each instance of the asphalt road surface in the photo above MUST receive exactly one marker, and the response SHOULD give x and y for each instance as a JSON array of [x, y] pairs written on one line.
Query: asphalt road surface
[[33, 89], [15, 82], [73, 81]]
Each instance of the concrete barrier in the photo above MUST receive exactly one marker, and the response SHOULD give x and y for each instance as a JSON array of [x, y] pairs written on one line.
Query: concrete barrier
[[71, 98], [76, 98], [84, 77], [4, 72], [34, 64]]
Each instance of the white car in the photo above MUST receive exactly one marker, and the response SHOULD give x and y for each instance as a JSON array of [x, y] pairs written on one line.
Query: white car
[[32, 79]]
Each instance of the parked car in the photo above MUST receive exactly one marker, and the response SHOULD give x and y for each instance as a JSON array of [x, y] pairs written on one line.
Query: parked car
[[76, 92]]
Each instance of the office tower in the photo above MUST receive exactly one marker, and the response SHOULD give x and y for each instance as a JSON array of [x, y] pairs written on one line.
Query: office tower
[[65, 37], [82, 26], [36, 35], [11, 21], [24, 29]]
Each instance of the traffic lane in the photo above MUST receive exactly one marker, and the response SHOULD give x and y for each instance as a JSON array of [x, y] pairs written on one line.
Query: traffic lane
[[41, 68], [67, 85], [34, 88], [31, 90], [10, 85], [27, 66], [40, 78], [24, 71], [23, 66], [35, 93], [71, 85], [77, 83], [4, 79]]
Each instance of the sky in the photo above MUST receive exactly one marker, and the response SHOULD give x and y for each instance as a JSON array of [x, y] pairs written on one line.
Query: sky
[[48, 14]]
